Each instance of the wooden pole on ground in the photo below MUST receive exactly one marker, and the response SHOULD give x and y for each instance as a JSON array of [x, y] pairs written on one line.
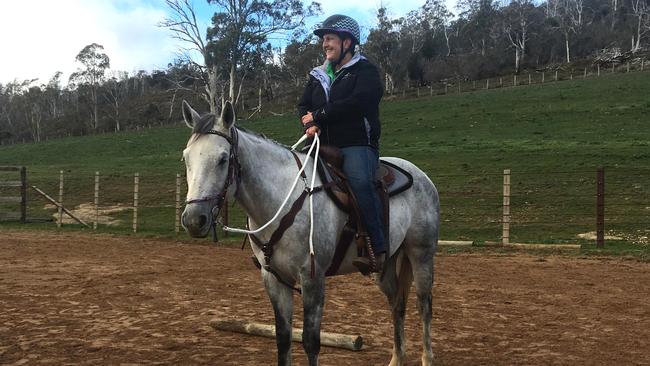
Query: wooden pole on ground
[[59, 222], [96, 201], [60, 206], [600, 207], [177, 226], [136, 189], [350, 342], [506, 207]]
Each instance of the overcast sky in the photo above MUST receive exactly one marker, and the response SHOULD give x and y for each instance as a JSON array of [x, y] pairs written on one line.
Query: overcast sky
[[41, 37]]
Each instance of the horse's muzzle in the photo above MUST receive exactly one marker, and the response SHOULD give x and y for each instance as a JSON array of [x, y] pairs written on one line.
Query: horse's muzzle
[[197, 219]]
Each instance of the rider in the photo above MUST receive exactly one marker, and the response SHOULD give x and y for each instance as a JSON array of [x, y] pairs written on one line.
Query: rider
[[341, 102]]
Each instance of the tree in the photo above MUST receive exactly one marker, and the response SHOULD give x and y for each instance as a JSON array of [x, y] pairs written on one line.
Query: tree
[[517, 20], [439, 19], [184, 27], [115, 91], [95, 63], [641, 13], [241, 26], [383, 46]]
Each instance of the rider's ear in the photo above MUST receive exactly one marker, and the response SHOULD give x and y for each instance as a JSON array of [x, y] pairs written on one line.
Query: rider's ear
[[189, 115], [228, 115]]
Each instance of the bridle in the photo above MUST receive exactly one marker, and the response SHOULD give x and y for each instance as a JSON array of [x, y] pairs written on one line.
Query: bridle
[[234, 176]]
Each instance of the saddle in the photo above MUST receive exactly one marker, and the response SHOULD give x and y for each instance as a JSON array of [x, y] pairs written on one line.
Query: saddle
[[390, 181]]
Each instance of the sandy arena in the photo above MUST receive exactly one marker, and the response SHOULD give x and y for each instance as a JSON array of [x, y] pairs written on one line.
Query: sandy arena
[[83, 299]]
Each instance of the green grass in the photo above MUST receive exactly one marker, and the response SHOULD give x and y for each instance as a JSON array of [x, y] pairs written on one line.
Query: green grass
[[552, 137]]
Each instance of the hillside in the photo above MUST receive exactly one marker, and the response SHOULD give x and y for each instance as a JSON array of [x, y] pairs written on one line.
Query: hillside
[[552, 136]]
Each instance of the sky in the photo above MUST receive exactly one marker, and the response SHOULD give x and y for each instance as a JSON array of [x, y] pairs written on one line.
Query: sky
[[40, 37]]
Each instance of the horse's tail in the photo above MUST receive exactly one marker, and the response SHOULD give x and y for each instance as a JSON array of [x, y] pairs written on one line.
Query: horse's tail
[[404, 272]]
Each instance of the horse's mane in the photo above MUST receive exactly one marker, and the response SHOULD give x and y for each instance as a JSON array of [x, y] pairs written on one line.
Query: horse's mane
[[206, 123]]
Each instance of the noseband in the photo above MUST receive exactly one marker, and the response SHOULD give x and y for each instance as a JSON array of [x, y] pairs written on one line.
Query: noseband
[[234, 170]]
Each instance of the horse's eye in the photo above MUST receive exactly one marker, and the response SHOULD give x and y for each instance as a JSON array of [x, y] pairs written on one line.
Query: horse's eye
[[223, 160]]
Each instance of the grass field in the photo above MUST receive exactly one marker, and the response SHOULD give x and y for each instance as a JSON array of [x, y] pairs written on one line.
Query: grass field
[[553, 137]]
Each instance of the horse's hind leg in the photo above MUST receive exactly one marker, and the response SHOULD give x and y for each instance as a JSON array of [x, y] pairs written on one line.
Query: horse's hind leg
[[282, 300], [395, 285], [422, 262]]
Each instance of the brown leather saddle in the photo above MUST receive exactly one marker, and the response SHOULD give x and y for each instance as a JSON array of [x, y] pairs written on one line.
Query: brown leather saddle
[[391, 180]]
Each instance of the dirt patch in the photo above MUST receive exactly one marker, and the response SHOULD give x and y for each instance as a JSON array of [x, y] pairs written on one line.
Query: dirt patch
[[88, 299]]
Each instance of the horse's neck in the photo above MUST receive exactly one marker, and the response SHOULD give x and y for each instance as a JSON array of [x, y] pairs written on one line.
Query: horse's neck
[[267, 172]]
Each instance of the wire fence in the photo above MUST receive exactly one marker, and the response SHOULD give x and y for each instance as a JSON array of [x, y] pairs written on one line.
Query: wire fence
[[505, 206]]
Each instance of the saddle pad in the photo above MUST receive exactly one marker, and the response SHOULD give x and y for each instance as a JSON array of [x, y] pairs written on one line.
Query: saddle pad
[[396, 179]]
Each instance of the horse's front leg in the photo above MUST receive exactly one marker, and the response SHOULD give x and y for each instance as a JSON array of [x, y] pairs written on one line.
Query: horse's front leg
[[313, 296], [282, 299]]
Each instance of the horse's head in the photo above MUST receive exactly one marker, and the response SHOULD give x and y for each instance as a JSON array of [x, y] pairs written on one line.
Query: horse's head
[[211, 165]]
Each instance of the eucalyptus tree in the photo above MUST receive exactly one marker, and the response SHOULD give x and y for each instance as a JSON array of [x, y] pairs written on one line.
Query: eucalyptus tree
[[185, 27], [95, 63], [241, 26]]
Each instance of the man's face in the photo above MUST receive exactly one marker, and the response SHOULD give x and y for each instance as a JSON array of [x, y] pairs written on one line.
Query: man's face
[[332, 46]]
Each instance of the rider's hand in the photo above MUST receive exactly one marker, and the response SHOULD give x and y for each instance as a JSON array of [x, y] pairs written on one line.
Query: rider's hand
[[307, 118], [311, 131]]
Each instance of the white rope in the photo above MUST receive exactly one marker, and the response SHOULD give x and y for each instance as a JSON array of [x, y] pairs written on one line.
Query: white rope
[[311, 196], [315, 143]]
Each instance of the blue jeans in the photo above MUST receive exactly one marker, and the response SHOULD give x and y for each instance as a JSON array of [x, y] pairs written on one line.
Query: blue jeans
[[360, 164]]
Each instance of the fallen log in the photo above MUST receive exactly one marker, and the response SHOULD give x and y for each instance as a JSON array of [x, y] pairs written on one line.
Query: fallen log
[[350, 342], [57, 204], [531, 246]]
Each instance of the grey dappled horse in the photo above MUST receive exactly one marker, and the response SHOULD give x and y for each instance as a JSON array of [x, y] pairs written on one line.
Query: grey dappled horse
[[266, 172]]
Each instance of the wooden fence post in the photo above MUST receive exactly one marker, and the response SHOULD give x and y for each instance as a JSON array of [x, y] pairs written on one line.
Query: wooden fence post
[[600, 207], [501, 82], [571, 75], [418, 91], [95, 221], [487, 84], [555, 75], [474, 85], [177, 226], [543, 75], [598, 66], [136, 189], [514, 80], [446, 88], [459, 86], [506, 206], [628, 66], [612, 67], [430, 90], [642, 63], [530, 79], [59, 222], [23, 195]]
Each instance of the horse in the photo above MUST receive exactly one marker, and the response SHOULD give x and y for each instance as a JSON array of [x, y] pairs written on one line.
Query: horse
[[225, 162]]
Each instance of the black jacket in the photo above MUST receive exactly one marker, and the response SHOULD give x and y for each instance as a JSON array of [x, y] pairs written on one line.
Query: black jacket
[[351, 115]]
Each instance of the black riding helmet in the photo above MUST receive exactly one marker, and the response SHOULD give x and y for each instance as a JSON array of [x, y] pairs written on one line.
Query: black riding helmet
[[344, 27]]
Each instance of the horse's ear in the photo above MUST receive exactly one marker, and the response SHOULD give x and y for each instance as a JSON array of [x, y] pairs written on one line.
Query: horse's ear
[[189, 115], [228, 115]]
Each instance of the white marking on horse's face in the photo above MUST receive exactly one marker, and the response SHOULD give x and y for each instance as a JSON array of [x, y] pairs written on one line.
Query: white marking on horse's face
[[206, 164]]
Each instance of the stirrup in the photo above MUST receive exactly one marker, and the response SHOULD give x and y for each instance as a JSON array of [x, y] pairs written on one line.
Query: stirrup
[[363, 265]]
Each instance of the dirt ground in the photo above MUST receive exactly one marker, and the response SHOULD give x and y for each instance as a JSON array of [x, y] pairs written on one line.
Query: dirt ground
[[83, 299]]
